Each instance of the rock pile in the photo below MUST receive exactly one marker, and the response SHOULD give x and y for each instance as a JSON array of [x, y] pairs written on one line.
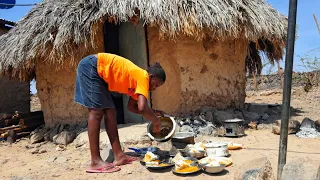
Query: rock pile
[[61, 134], [197, 124], [208, 121], [308, 129]]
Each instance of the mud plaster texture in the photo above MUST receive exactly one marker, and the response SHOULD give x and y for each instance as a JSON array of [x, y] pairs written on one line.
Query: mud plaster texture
[[203, 73], [56, 86], [14, 95]]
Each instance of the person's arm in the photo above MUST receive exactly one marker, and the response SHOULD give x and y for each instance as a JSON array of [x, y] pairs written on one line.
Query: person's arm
[[145, 110], [141, 107], [133, 107]]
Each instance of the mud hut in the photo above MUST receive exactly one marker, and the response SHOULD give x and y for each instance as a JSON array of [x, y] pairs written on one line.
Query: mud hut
[[206, 48], [14, 95]]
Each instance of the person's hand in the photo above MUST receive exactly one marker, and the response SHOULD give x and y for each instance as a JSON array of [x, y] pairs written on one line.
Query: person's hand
[[158, 113], [157, 126]]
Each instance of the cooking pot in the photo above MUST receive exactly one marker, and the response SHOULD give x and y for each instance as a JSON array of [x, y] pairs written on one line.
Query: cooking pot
[[167, 121], [217, 149]]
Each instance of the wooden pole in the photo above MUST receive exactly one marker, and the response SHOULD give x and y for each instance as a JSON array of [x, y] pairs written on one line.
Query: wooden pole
[[291, 31], [315, 18]]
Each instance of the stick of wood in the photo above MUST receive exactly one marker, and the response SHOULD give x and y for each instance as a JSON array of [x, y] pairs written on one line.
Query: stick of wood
[[9, 128], [315, 18]]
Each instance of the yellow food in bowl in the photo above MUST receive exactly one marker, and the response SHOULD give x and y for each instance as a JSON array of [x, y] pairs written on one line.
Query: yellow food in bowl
[[163, 164], [188, 169]]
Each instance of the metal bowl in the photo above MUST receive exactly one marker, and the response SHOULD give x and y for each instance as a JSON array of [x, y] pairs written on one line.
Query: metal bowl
[[214, 169], [166, 121], [180, 140]]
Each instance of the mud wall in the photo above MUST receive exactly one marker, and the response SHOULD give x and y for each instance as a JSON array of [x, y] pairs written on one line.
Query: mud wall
[[200, 73], [14, 95], [56, 86]]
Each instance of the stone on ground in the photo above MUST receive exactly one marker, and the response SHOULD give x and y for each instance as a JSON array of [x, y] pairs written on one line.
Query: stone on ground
[[37, 135], [293, 127], [317, 125], [307, 123], [257, 169], [51, 133], [64, 138], [81, 139], [301, 169]]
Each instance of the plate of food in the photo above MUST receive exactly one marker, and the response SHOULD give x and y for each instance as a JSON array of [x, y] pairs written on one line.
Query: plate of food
[[194, 150], [215, 160], [152, 161], [185, 165], [160, 165], [214, 167]]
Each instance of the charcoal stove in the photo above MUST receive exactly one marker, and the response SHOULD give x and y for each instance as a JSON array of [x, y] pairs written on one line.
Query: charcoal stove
[[234, 127]]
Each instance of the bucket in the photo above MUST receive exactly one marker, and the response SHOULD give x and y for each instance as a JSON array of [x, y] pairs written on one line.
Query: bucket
[[166, 121]]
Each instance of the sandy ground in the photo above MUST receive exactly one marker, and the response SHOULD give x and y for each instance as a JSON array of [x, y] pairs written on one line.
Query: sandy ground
[[17, 162]]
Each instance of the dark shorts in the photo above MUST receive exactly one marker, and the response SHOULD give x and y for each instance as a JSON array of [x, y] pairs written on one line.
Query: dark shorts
[[91, 90]]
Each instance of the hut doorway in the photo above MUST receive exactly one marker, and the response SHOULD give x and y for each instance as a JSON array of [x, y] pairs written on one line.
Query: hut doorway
[[130, 42]]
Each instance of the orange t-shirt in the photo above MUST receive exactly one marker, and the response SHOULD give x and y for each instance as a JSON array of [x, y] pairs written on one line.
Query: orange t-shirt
[[122, 75]]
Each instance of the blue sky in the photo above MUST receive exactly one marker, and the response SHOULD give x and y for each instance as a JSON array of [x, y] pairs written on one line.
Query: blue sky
[[308, 35]]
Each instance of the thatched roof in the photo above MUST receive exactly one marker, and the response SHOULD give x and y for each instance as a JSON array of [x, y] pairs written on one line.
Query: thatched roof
[[56, 29]]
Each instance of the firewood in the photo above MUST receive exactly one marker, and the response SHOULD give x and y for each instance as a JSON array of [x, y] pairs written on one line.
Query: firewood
[[8, 128]]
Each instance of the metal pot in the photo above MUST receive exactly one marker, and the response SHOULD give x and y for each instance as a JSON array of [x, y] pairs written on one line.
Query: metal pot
[[181, 139], [166, 121], [217, 149]]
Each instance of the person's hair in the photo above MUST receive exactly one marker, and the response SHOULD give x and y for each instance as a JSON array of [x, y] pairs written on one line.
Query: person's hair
[[156, 70]]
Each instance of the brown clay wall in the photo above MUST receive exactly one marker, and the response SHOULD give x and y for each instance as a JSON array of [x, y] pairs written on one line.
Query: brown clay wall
[[55, 88], [14, 95], [200, 73]]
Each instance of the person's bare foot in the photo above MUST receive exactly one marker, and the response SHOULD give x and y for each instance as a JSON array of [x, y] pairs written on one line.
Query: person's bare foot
[[99, 164], [123, 159]]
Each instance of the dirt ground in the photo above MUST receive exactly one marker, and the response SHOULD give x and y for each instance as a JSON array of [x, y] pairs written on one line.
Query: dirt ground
[[17, 162]]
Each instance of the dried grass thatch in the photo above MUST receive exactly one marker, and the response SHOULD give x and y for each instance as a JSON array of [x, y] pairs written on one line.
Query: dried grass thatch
[[58, 30]]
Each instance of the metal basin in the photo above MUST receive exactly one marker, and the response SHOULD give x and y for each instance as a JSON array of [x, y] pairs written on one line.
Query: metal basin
[[167, 122], [214, 169], [181, 139]]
